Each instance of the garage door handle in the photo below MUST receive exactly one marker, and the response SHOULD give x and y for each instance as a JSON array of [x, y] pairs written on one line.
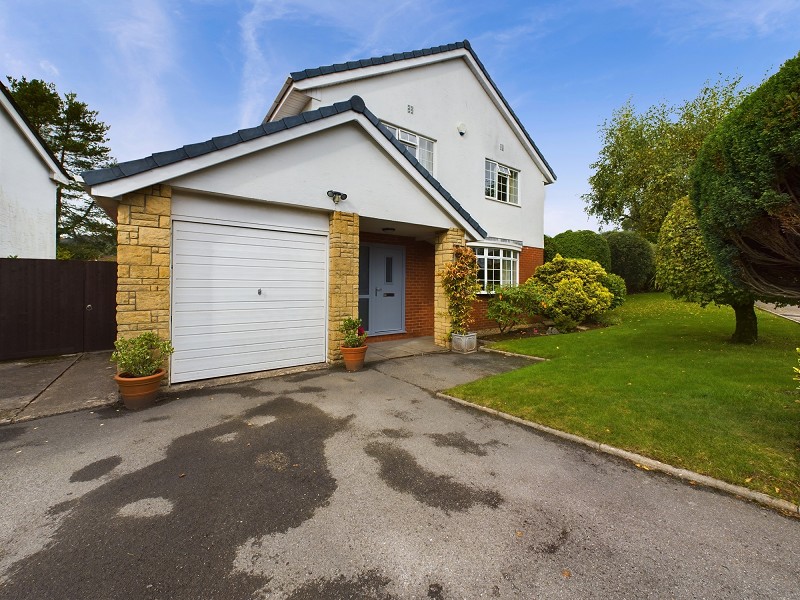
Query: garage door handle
[[259, 291]]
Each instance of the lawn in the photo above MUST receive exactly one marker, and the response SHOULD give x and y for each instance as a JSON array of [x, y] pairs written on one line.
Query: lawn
[[666, 383]]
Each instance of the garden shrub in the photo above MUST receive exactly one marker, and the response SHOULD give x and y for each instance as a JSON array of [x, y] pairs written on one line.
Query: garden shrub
[[632, 258], [509, 306], [550, 248], [584, 244], [570, 291], [460, 284], [616, 285]]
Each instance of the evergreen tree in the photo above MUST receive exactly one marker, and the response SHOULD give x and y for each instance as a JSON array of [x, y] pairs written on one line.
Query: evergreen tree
[[77, 139]]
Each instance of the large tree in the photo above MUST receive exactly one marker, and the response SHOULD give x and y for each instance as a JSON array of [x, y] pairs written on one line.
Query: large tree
[[686, 269], [746, 189], [78, 141], [644, 163]]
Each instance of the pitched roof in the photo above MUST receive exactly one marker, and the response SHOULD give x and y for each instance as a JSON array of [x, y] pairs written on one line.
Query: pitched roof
[[41, 146], [355, 104], [390, 58]]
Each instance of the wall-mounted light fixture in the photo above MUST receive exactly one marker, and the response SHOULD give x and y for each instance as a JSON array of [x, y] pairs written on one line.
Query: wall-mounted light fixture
[[462, 129], [337, 196]]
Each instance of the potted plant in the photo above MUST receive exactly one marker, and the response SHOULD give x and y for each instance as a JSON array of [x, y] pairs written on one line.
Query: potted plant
[[460, 284], [140, 362], [353, 345]]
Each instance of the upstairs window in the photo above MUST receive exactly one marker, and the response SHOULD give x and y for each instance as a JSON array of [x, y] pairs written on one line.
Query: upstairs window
[[501, 182], [420, 147], [497, 267]]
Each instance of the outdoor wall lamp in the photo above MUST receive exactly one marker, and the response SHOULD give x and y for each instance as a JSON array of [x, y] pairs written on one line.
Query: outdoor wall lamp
[[337, 196]]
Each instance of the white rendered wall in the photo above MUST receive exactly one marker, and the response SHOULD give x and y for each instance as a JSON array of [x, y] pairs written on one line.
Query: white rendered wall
[[300, 172], [444, 94], [27, 197]]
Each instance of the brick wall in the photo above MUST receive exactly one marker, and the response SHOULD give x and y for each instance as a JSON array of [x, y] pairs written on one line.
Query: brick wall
[[342, 277], [419, 284], [143, 261]]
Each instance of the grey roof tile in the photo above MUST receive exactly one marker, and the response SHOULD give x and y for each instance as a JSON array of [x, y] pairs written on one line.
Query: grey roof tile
[[356, 104], [169, 157], [299, 76]]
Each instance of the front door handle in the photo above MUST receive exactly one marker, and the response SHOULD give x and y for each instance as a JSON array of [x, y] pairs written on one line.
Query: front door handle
[[378, 290]]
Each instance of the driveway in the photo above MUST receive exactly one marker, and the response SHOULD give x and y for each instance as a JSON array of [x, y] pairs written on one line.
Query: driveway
[[366, 485]]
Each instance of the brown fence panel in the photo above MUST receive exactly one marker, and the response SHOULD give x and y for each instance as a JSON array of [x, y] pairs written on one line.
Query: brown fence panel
[[44, 307]]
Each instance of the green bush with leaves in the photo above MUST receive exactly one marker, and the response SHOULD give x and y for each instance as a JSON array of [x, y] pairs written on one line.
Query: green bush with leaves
[[584, 244], [632, 258], [570, 291], [796, 370], [509, 306], [616, 285], [354, 334], [460, 284], [550, 248], [686, 270], [142, 355], [746, 189]]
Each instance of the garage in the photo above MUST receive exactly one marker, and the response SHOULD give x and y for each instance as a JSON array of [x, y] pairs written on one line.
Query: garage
[[246, 298]]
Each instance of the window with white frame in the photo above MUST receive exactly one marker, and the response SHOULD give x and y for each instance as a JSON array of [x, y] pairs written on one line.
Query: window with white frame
[[501, 182], [497, 267], [421, 148]]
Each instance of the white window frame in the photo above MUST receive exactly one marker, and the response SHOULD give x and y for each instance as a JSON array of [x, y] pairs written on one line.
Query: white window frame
[[416, 144], [507, 267], [500, 182]]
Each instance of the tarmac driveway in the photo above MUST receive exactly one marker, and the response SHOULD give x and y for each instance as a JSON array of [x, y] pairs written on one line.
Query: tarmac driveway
[[335, 485]]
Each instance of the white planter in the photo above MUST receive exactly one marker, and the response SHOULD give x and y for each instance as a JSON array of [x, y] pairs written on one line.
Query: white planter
[[464, 344]]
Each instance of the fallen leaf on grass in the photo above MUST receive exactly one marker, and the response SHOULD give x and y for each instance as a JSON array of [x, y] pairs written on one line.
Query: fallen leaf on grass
[[748, 479]]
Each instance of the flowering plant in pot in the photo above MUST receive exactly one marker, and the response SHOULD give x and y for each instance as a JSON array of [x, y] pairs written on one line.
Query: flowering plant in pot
[[353, 346], [460, 284], [140, 365]]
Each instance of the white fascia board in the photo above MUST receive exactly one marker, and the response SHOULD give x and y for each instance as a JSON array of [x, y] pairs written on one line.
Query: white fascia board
[[55, 171], [119, 187], [125, 185], [512, 122], [322, 81]]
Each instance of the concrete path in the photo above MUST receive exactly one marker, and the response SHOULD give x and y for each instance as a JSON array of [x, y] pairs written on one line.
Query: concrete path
[[360, 485], [37, 388], [787, 312]]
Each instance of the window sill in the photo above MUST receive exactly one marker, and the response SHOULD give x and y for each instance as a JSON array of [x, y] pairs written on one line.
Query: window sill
[[502, 202]]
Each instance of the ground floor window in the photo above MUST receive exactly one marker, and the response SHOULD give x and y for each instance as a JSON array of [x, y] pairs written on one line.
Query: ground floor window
[[497, 267]]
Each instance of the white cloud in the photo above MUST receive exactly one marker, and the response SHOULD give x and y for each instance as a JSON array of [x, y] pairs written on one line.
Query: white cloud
[[142, 55], [732, 19], [49, 68]]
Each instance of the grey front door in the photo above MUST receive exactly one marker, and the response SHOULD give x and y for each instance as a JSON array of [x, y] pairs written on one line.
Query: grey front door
[[387, 279]]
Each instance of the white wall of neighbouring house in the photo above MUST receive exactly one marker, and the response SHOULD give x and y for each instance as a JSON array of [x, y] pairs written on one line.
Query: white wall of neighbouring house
[[27, 197], [444, 94], [301, 171]]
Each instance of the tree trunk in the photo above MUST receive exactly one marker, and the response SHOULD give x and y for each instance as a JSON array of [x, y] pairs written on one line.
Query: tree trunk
[[746, 323]]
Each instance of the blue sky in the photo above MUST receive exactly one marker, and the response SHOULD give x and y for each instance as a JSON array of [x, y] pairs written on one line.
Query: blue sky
[[166, 73]]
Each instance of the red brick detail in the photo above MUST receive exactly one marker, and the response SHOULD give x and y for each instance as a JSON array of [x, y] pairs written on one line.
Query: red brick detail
[[529, 260], [419, 284]]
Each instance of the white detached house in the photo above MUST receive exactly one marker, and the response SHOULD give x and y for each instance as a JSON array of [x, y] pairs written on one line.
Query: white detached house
[[29, 176], [249, 249]]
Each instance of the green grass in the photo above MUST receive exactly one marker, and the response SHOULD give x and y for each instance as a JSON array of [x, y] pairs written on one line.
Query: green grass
[[666, 383]]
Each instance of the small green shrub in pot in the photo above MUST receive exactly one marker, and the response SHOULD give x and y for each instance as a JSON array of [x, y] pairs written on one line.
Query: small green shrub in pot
[[460, 284], [142, 355], [354, 334]]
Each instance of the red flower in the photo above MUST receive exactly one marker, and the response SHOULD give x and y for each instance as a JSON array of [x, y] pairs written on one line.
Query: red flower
[[360, 331]]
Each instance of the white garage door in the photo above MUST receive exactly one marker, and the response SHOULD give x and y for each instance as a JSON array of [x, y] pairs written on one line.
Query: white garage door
[[245, 299]]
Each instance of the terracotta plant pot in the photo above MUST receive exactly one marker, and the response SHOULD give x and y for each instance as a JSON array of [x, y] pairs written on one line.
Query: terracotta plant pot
[[139, 392], [353, 357]]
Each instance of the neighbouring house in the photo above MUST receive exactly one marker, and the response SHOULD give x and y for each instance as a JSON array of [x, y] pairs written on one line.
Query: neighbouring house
[[249, 249], [29, 177]]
